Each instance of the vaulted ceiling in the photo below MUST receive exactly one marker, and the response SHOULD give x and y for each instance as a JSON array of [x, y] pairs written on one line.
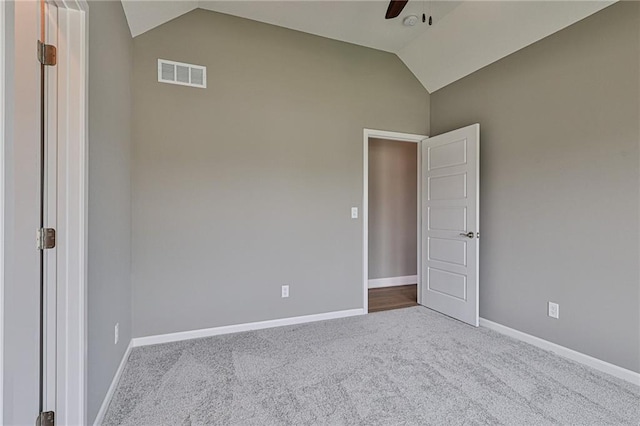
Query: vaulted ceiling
[[465, 35]]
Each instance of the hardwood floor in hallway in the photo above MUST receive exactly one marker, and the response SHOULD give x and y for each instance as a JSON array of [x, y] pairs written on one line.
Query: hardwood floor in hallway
[[387, 298]]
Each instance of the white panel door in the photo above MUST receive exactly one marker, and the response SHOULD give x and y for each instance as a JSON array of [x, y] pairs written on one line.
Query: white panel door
[[450, 223]]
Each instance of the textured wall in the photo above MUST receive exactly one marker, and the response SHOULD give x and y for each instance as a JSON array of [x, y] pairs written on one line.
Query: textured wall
[[110, 117], [248, 185], [393, 204], [559, 183]]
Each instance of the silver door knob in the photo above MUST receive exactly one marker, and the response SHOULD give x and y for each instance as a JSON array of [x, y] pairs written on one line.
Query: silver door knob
[[468, 234]]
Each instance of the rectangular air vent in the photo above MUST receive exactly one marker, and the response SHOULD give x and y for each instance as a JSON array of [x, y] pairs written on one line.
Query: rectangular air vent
[[182, 74]]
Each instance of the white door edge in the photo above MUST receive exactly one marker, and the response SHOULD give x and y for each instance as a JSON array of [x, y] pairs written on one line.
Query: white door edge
[[71, 212], [3, 26], [393, 136], [50, 208]]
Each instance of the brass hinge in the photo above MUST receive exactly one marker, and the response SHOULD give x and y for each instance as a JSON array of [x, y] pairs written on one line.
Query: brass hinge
[[46, 419], [46, 54], [46, 238]]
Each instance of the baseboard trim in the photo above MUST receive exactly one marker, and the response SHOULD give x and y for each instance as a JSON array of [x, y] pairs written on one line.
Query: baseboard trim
[[393, 281], [598, 364], [112, 388], [227, 329]]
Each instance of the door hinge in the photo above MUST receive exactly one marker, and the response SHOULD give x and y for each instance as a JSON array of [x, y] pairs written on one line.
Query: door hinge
[[46, 238], [46, 418], [46, 54]]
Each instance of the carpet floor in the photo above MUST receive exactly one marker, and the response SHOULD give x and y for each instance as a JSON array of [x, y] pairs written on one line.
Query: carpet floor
[[405, 367]]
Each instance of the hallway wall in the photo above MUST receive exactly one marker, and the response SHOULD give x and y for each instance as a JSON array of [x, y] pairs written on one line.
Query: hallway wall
[[393, 208]]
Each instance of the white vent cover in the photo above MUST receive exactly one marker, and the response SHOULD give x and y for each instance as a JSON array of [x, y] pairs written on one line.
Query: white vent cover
[[181, 73]]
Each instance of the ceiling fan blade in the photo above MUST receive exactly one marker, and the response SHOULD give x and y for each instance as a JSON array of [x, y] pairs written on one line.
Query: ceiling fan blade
[[395, 7]]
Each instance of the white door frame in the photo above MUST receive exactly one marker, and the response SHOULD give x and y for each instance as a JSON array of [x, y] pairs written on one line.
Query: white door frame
[[3, 36], [392, 136], [70, 271], [50, 207]]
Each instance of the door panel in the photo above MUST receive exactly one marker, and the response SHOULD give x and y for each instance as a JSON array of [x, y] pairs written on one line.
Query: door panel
[[450, 245], [450, 154], [447, 283], [451, 187], [447, 251], [447, 218]]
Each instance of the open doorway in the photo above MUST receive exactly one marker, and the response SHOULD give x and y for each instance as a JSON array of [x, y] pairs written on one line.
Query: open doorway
[[448, 200], [393, 224], [392, 220]]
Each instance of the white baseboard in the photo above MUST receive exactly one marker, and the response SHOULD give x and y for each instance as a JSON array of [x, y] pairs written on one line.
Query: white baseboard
[[114, 384], [215, 331], [598, 364], [393, 281]]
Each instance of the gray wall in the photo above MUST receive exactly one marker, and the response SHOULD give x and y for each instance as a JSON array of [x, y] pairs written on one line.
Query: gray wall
[[393, 204], [21, 272], [247, 185], [559, 183], [110, 112]]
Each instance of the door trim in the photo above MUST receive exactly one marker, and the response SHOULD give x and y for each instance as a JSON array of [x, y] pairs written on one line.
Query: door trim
[[3, 37], [49, 35], [393, 136], [72, 185]]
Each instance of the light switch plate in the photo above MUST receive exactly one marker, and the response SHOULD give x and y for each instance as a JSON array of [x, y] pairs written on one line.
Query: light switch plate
[[354, 212]]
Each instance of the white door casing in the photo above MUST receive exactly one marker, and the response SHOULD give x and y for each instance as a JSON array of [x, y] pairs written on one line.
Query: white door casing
[[450, 223], [50, 207], [66, 211], [3, 29], [392, 136]]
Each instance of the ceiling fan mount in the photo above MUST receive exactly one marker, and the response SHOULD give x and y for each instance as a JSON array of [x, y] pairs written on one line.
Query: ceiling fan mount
[[396, 7]]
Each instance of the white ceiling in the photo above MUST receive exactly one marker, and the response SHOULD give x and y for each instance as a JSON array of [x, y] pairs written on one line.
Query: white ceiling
[[358, 22], [465, 36]]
